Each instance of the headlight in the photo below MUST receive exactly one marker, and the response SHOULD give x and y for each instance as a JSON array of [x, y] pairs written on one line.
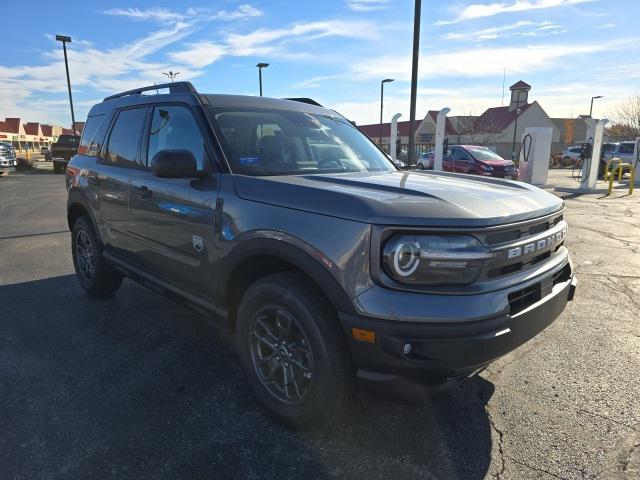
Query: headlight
[[434, 259]]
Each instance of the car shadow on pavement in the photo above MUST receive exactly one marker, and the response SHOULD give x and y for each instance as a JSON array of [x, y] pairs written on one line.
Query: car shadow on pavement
[[135, 386]]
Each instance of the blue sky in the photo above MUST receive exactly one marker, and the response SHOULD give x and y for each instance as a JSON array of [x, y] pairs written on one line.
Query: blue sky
[[335, 51]]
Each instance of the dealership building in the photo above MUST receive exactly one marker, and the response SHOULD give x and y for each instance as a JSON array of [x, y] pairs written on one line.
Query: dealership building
[[494, 128]]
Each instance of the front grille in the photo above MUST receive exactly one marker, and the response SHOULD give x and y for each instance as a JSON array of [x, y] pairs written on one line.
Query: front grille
[[521, 299], [502, 241], [502, 237]]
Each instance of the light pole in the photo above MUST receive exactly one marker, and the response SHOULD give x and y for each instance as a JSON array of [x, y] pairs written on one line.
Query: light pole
[[171, 75], [515, 130], [592, 99], [386, 80], [260, 67], [65, 40], [414, 80]]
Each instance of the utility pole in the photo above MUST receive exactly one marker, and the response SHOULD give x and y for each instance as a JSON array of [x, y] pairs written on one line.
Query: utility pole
[[64, 39], [414, 81], [260, 67], [591, 109], [386, 80]]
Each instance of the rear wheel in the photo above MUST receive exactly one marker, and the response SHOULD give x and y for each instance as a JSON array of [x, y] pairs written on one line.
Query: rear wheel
[[420, 166], [295, 356], [93, 273]]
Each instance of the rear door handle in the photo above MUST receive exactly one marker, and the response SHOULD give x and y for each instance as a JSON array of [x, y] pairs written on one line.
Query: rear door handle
[[143, 191]]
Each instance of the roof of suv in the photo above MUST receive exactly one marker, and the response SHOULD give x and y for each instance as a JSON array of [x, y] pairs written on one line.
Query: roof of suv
[[184, 92]]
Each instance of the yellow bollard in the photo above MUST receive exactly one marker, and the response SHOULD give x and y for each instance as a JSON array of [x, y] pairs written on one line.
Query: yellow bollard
[[610, 183]]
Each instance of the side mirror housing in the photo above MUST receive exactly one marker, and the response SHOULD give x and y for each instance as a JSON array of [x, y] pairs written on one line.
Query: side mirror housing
[[174, 163]]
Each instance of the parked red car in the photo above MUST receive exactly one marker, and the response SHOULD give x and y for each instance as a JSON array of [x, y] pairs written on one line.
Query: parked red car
[[472, 159]]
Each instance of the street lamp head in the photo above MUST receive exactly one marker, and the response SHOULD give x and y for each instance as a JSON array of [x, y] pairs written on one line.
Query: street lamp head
[[262, 65], [63, 38], [599, 96], [387, 80]]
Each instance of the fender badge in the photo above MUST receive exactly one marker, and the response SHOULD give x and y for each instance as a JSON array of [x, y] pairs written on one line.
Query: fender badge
[[198, 245]]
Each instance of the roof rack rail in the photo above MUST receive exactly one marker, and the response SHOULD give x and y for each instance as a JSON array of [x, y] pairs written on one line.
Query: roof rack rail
[[175, 87], [310, 101]]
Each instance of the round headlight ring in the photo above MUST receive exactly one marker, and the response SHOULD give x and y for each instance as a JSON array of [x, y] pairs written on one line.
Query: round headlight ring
[[406, 258]]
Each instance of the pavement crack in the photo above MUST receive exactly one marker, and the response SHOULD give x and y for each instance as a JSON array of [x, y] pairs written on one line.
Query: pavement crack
[[617, 422], [537, 469], [500, 436]]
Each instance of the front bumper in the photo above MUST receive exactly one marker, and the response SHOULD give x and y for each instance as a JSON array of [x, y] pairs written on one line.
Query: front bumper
[[443, 353], [8, 165]]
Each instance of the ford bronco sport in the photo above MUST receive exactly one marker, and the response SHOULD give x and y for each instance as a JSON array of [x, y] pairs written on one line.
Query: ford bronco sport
[[286, 225]]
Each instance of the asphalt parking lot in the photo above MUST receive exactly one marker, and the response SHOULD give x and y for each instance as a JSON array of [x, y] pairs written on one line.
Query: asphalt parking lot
[[135, 386]]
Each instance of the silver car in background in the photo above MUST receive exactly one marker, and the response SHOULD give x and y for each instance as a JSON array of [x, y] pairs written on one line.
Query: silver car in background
[[8, 160]]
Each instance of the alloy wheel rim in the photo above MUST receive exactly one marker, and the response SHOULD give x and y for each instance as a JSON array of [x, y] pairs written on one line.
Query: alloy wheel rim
[[85, 255], [281, 355]]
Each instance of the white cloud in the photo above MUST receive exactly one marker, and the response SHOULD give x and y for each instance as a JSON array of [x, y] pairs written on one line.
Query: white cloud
[[367, 5], [199, 54], [164, 15], [476, 63], [523, 28], [155, 14], [272, 41], [481, 10], [317, 81]]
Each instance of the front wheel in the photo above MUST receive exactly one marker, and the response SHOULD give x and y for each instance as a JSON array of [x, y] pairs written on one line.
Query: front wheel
[[93, 273], [295, 356], [420, 166]]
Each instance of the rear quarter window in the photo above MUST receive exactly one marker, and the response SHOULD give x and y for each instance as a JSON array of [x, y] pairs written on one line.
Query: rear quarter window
[[88, 133]]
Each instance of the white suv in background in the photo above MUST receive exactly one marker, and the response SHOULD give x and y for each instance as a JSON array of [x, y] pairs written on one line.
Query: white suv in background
[[572, 153], [625, 151], [8, 160]]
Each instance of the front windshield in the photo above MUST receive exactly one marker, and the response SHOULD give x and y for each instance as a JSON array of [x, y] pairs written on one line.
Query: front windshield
[[484, 154], [285, 142]]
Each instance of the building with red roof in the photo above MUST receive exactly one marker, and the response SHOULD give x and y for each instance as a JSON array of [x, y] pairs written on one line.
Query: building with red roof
[[494, 128]]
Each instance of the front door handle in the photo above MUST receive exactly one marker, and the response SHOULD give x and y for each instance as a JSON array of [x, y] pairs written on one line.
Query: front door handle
[[143, 191]]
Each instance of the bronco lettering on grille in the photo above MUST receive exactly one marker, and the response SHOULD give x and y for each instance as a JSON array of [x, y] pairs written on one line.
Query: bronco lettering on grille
[[541, 244]]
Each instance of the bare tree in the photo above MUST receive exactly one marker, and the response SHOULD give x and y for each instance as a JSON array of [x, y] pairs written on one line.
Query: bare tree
[[480, 132], [626, 119]]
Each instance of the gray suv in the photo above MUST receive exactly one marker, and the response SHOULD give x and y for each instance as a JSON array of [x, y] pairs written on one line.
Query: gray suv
[[334, 271]]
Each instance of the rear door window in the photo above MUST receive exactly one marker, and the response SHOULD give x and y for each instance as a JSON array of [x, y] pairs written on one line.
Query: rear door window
[[124, 140]]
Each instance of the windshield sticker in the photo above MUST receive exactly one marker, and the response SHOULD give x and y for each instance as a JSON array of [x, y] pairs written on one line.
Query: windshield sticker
[[248, 161]]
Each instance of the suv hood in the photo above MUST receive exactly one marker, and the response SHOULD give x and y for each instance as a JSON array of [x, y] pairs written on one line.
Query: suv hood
[[435, 199]]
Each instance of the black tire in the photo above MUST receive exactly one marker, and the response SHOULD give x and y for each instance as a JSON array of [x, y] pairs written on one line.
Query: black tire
[[93, 273], [420, 166], [326, 389]]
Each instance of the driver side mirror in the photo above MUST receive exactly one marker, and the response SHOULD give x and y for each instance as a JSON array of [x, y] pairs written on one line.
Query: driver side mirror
[[174, 163]]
